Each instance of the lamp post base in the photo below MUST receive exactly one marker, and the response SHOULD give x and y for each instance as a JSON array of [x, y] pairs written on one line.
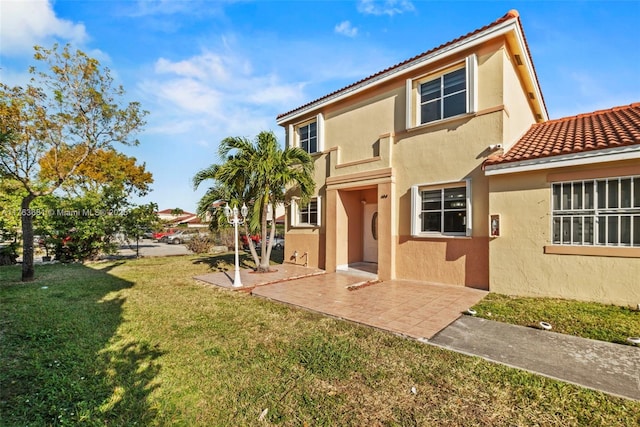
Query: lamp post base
[[237, 283]]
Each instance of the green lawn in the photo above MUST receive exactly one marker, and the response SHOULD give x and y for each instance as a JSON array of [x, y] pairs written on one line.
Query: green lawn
[[584, 319], [140, 342]]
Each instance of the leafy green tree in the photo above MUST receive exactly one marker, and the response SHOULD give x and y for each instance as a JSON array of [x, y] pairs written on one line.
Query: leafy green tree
[[80, 227], [138, 220], [69, 110], [259, 173], [207, 205], [11, 193], [97, 197]]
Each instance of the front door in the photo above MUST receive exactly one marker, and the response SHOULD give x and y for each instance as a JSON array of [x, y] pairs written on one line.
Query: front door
[[370, 233]]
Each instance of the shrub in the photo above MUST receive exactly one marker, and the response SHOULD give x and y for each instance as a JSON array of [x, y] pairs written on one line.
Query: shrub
[[9, 254], [200, 244]]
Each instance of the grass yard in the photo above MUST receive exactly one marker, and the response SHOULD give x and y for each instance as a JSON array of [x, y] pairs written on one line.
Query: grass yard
[[583, 319], [140, 342]]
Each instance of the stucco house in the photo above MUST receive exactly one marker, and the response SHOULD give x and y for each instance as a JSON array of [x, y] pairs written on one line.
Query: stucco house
[[418, 172], [568, 197]]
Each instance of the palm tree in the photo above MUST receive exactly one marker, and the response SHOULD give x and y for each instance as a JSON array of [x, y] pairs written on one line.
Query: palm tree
[[259, 173]]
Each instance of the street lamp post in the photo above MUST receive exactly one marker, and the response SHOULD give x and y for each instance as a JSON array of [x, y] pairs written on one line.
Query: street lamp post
[[232, 217]]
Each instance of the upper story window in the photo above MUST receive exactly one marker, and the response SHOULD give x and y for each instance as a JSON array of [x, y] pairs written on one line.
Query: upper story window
[[446, 93], [444, 96], [441, 210], [598, 212], [308, 135]]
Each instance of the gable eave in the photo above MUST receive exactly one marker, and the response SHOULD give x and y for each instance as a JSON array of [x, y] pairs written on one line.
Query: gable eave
[[629, 152], [510, 29]]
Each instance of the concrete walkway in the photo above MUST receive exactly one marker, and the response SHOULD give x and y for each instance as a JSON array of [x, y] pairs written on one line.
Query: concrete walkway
[[599, 365], [433, 314]]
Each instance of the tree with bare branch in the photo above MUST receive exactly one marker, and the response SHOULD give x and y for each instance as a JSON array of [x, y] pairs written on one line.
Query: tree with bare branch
[[70, 109]]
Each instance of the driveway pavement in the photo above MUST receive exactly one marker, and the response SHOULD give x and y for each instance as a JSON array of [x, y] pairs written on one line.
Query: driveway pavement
[[151, 248]]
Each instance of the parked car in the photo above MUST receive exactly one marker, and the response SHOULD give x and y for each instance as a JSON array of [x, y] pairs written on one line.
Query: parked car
[[159, 235], [245, 241], [181, 237], [278, 242]]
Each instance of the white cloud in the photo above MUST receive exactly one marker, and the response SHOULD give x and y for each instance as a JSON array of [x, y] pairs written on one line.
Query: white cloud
[[385, 7], [24, 24], [214, 95], [345, 28], [170, 7]]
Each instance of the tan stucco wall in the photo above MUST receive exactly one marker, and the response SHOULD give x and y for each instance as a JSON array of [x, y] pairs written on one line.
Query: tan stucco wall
[[357, 128], [462, 262], [311, 241], [516, 103], [366, 133], [517, 259]]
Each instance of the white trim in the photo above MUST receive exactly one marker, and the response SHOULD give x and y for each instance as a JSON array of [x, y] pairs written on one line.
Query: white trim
[[409, 103], [452, 49], [472, 83], [531, 72], [319, 133], [293, 212], [469, 231], [575, 159], [291, 140], [415, 228]]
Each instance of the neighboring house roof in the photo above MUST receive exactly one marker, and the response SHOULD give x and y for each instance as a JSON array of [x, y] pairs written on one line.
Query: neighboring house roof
[[170, 212], [611, 132], [184, 219], [191, 221], [511, 16]]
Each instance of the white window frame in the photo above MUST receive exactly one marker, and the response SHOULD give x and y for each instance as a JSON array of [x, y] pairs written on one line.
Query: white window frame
[[293, 135], [592, 212], [296, 212], [416, 209], [413, 110]]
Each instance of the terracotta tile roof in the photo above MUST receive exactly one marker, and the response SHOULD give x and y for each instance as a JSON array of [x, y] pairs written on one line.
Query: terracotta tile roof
[[170, 212], [512, 14], [615, 127]]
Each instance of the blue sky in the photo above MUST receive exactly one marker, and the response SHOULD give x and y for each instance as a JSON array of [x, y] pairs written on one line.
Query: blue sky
[[206, 70]]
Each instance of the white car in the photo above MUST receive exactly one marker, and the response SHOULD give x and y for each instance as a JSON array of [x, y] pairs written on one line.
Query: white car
[[278, 243], [180, 237]]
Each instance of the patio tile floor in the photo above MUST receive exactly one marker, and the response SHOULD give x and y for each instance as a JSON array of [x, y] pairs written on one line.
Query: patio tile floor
[[409, 308]]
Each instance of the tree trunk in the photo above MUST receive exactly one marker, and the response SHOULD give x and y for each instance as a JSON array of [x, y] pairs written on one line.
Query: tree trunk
[[264, 253], [28, 272], [252, 248]]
